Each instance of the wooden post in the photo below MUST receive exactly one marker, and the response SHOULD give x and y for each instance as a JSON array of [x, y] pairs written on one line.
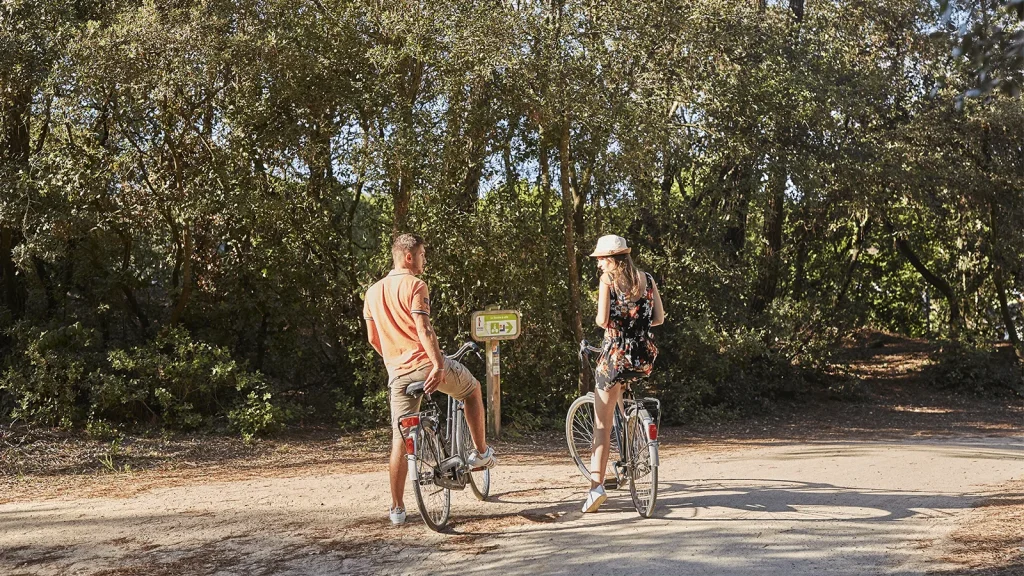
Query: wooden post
[[493, 389]]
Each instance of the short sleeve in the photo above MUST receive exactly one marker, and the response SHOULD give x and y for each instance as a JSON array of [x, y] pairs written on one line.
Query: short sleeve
[[420, 299], [366, 307]]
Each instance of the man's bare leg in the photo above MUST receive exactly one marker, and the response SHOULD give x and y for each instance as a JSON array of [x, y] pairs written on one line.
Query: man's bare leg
[[475, 419], [399, 468]]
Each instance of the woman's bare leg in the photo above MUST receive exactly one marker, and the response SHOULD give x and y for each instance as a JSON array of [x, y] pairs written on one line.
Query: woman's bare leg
[[604, 407]]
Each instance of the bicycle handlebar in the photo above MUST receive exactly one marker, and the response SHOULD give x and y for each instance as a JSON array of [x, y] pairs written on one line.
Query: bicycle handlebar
[[467, 347], [587, 349]]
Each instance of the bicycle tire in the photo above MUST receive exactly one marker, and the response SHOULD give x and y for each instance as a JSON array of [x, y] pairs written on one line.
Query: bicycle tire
[[579, 435], [433, 501], [479, 481], [643, 475]]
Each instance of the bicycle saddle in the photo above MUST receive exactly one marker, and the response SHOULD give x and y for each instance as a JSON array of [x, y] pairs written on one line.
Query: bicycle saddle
[[415, 389], [629, 375]]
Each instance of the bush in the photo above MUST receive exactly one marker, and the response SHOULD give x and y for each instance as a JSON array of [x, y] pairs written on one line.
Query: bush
[[48, 372], [59, 377], [966, 367], [185, 383]]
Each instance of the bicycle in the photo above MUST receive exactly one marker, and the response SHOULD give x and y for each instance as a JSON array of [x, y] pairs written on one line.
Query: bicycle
[[438, 455], [634, 438]]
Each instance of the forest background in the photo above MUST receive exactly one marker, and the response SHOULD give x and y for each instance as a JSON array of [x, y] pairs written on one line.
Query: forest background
[[196, 195]]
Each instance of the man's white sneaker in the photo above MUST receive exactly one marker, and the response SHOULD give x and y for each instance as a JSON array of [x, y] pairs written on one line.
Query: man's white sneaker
[[398, 516], [485, 460], [595, 498]]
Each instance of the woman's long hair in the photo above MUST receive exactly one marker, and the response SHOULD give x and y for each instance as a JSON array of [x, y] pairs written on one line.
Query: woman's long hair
[[625, 277]]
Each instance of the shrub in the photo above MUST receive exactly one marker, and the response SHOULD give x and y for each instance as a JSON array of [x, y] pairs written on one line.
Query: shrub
[[971, 368], [59, 377], [48, 372]]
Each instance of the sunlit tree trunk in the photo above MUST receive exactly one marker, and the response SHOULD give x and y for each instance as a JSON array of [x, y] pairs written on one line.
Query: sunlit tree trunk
[[569, 208]]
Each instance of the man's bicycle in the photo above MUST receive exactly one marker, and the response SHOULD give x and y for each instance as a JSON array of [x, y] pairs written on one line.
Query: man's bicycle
[[438, 451], [634, 438]]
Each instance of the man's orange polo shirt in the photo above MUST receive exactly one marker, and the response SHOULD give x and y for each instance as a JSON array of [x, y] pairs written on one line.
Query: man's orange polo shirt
[[389, 306]]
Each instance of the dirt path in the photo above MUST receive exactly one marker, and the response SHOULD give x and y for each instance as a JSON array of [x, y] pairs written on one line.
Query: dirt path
[[855, 507], [902, 479]]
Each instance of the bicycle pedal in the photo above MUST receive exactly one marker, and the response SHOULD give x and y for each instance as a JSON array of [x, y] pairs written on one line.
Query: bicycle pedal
[[611, 484], [450, 463]]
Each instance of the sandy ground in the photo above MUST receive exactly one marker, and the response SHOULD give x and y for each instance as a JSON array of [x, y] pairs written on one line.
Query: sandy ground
[[900, 478], [851, 507]]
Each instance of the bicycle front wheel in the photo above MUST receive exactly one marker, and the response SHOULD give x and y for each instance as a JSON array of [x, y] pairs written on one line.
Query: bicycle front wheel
[[579, 435], [643, 470], [434, 502], [479, 481]]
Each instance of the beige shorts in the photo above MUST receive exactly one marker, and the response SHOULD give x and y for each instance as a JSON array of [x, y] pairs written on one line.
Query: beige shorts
[[458, 383]]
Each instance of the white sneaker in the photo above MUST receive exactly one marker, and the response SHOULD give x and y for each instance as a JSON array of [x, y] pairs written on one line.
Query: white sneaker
[[485, 460], [398, 516], [595, 498]]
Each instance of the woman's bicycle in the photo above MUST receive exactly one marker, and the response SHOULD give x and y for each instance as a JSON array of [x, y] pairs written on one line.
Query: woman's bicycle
[[634, 439], [438, 451]]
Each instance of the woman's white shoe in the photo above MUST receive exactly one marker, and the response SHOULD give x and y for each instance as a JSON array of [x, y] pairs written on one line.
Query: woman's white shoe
[[595, 498]]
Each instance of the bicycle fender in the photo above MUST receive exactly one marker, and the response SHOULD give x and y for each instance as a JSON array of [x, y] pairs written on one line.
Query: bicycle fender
[[653, 447]]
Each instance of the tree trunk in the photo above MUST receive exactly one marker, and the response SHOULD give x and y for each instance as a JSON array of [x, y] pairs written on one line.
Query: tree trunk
[[569, 219], [668, 177], [402, 188], [797, 8], [774, 220], [126, 289], [471, 182], [45, 280], [261, 342], [735, 204], [863, 229], [13, 292], [940, 284], [545, 209], [15, 149], [186, 278], [402, 195], [511, 176], [1004, 309], [545, 184], [478, 131]]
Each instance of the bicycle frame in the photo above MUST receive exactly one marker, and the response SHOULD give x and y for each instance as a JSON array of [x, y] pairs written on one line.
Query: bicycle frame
[[452, 470], [627, 406]]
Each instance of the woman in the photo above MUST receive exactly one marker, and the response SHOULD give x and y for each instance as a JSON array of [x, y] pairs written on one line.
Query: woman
[[628, 306]]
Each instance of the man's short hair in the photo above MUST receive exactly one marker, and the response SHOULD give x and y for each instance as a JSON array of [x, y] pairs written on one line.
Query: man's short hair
[[404, 244]]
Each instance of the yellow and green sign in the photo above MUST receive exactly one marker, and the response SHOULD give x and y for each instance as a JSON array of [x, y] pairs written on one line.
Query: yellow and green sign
[[496, 325]]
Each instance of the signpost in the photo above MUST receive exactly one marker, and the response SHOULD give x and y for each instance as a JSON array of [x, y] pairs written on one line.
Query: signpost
[[492, 326]]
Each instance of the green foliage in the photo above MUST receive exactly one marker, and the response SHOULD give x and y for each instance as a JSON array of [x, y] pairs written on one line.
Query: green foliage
[[48, 372], [705, 372], [183, 382], [198, 194], [255, 415], [59, 378], [978, 370]]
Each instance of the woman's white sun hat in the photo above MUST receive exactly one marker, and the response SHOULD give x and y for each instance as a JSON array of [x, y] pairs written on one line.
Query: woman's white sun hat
[[610, 245]]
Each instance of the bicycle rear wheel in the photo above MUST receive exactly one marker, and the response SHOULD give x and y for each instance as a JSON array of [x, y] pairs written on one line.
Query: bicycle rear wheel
[[643, 470], [579, 435], [434, 502], [479, 481]]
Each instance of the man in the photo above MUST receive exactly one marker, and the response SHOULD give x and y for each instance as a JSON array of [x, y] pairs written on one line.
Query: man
[[397, 312]]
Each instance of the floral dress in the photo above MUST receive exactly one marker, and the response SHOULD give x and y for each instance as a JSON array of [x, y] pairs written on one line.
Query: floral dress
[[628, 344]]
